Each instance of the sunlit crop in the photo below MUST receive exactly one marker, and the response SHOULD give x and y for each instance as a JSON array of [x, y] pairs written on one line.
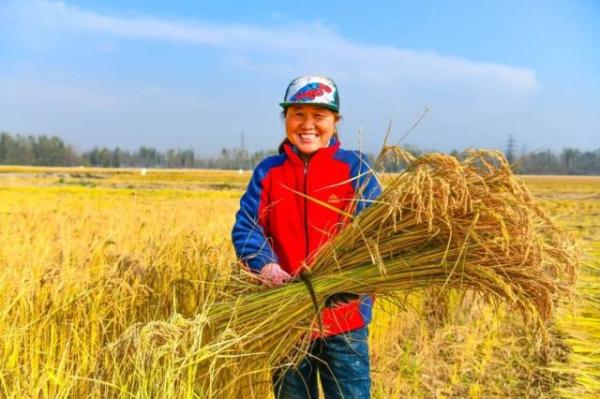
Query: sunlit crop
[[94, 260]]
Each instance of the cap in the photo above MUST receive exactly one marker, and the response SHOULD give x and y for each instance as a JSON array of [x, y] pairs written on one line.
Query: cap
[[312, 89]]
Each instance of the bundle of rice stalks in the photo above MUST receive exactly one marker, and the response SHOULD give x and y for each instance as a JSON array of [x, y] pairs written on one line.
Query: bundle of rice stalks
[[469, 224], [453, 224]]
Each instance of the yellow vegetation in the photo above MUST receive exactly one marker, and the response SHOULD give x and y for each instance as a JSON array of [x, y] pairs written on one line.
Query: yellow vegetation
[[82, 265]]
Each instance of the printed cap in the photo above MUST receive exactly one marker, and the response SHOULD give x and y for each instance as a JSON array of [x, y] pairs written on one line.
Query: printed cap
[[311, 89]]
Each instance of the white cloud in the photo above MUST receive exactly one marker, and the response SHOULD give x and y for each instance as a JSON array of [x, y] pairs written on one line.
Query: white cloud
[[302, 46]]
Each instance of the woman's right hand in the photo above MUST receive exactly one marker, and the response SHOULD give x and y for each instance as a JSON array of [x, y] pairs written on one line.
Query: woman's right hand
[[272, 275]]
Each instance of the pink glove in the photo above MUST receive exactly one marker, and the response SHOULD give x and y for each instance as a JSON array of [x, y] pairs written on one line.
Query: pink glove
[[272, 275]]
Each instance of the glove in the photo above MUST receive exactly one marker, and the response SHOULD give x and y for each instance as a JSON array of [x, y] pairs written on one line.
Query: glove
[[340, 299], [272, 275]]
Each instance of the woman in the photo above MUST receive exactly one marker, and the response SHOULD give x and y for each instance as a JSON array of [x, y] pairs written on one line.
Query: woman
[[277, 231]]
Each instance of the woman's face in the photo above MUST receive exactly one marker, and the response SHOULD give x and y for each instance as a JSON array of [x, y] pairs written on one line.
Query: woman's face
[[309, 127]]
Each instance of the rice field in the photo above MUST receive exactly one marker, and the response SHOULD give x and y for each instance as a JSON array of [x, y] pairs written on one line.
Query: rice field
[[105, 276]]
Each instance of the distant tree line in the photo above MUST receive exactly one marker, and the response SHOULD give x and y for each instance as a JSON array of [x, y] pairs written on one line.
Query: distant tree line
[[52, 151], [36, 150], [569, 161], [149, 157]]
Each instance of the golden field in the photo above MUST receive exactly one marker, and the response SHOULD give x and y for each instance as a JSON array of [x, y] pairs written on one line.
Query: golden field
[[88, 256]]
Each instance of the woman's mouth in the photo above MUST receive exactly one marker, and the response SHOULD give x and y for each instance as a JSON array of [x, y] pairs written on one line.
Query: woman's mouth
[[308, 137]]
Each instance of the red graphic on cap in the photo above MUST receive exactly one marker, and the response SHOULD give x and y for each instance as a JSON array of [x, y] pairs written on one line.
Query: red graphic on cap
[[310, 92]]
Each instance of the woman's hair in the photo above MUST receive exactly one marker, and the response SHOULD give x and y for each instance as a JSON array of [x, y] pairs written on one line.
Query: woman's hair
[[285, 141]]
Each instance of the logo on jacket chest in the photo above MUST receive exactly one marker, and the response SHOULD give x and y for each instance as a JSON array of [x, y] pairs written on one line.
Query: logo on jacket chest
[[334, 200]]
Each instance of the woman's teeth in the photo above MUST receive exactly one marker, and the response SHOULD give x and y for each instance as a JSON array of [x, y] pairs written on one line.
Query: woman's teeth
[[308, 136]]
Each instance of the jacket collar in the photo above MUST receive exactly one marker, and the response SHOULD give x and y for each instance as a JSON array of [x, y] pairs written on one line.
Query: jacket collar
[[325, 152]]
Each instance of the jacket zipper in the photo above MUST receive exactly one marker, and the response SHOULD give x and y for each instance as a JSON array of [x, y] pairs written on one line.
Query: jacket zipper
[[302, 273], [306, 208]]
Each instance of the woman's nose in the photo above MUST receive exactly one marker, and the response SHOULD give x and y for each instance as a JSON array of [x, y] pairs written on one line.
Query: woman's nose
[[308, 122]]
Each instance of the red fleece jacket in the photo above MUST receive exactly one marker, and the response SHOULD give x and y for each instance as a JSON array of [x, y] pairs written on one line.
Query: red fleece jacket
[[276, 224]]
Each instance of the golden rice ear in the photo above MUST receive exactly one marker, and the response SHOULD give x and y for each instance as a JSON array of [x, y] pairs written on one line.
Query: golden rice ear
[[395, 154]]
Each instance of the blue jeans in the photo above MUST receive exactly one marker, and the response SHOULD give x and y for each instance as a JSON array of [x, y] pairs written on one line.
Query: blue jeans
[[342, 361]]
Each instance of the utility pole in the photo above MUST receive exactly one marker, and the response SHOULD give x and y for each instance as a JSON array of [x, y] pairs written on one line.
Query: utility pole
[[510, 149], [242, 146]]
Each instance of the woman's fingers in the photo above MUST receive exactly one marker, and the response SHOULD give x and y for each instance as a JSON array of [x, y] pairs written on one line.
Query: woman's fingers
[[272, 275]]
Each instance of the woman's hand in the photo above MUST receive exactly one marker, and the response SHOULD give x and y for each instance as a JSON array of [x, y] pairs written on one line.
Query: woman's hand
[[272, 275]]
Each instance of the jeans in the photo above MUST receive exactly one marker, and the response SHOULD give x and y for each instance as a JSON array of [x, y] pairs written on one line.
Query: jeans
[[342, 362]]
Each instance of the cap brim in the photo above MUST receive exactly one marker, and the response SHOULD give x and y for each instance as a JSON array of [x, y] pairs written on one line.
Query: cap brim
[[285, 105]]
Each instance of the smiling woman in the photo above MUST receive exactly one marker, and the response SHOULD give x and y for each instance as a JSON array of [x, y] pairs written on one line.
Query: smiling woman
[[295, 203]]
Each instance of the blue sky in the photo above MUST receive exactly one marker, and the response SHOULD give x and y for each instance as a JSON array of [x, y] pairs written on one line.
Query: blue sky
[[197, 74]]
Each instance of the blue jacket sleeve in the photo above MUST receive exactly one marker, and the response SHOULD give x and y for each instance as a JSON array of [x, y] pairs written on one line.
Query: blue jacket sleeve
[[251, 244], [364, 181]]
